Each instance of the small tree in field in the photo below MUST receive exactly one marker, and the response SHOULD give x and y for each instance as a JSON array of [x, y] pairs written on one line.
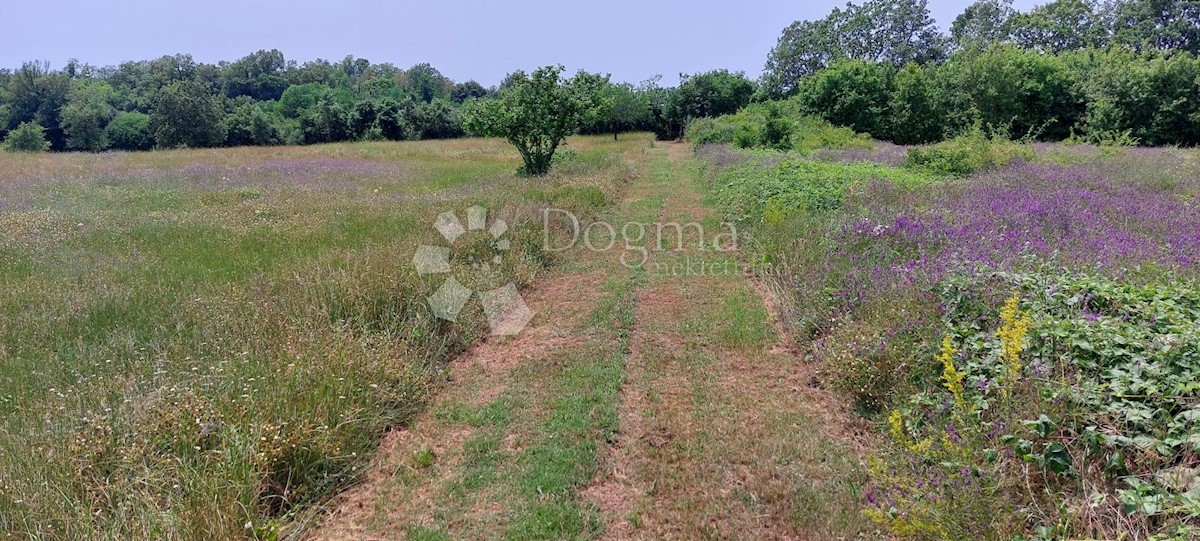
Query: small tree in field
[[28, 137], [534, 112]]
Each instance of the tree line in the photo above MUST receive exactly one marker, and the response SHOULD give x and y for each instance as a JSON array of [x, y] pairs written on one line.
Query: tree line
[[1120, 70], [264, 99]]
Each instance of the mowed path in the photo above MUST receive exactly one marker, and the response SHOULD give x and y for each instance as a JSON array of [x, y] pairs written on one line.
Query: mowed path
[[660, 401]]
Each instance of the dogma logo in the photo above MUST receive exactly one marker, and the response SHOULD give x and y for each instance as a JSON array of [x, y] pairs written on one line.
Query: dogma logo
[[506, 311]]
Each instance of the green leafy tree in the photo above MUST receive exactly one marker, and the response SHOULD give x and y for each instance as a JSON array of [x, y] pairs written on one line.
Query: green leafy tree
[[426, 83], [250, 123], [468, 90], [851, 93], [915, 114], [1057, 26], [1022, 90], [1153, 97], [893, 31], [437, 120], [393, 120], [982, 23], [326, 122], [27, 137], [37, 94], [187, 114], [624, 108], [297, 98], [709, 94], [1156, 24], [87, 112], [534, 112], [259, 75], [130, 131]]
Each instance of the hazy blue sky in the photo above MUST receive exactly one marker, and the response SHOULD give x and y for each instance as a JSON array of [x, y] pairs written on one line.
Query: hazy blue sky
[[465, 39]]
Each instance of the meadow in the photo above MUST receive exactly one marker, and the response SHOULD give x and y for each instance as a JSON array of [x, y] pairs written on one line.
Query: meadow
[[1017, 321], [203, 343]]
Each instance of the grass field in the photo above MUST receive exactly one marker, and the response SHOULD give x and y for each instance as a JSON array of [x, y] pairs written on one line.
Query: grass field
[[964, 340], [197, 343]]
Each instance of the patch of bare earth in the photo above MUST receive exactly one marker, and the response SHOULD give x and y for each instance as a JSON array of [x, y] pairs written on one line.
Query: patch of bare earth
[[400, 490]]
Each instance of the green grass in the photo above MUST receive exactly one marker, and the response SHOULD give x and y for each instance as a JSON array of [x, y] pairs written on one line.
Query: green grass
[[196, 340], [562, 456]]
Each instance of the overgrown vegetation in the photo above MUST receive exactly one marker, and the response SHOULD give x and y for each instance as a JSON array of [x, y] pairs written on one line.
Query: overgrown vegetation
[[203, 344], [1018, 321]]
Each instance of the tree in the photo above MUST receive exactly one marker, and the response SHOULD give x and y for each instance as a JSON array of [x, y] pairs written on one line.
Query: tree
[[534, 112], [468, 90], [982, 23], [87, 112], [1156, 24], [914, 114], [425, 83], [259, 75], [624, 108], [805, 47], [1154, 97], [325, 122], [437, 120], [187, 114], [1023, 90], [297, 98], [250, 124], [130, 131], [37, 94], [893, 31], [709, 94], [1057, 26], [27, 137], [851, 93]]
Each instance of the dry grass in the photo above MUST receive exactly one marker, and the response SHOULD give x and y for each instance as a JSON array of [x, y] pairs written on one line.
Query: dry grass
[[202, 343]]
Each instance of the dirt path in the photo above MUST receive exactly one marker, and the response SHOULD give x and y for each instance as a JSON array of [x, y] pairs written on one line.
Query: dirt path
[[660, 401]]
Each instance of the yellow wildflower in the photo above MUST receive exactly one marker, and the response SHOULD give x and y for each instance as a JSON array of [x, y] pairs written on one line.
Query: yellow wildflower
[[952, 378], [1014, 327]]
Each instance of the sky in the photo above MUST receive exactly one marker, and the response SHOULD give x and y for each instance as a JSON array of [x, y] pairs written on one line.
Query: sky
[[464, 39]]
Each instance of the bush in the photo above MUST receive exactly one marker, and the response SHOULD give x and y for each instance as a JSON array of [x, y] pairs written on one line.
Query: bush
[[129, 131], [251, 124], [779, 125], [27, 137], [967, 154], [850, 93]]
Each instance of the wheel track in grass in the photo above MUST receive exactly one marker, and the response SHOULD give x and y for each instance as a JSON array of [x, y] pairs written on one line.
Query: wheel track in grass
[[637, 405]]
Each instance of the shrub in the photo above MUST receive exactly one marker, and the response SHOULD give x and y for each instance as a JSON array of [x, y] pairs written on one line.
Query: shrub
[[251, 124], [967, 154], [27, 137], [187, 115], [130, 131], [850, 93], [779, 125]]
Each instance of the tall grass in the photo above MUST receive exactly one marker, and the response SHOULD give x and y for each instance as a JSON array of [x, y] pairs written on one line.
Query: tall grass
[[203, 343]]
